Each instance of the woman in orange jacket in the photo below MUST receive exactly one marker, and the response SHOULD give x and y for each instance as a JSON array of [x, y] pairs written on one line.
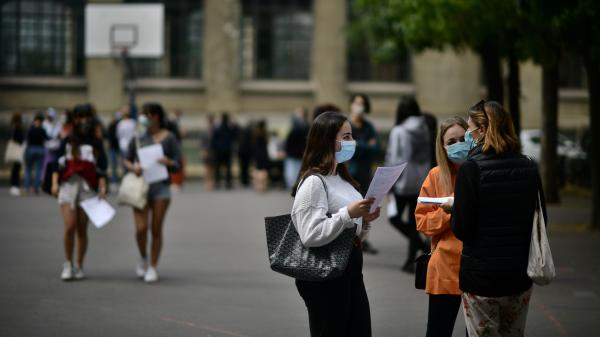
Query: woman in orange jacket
[[434, 221]]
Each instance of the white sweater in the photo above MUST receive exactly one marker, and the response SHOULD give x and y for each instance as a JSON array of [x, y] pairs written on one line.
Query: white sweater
[[312, 204]]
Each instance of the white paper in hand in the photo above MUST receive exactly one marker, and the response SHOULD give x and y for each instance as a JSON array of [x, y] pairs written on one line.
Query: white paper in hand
[[98, 210], [383, 181], [152, 170], [435, 201]]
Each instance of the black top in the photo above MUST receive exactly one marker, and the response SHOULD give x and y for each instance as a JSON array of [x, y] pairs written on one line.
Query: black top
[[18, 135], [36, 136], [224, 138], [113, 140], [494, 203]]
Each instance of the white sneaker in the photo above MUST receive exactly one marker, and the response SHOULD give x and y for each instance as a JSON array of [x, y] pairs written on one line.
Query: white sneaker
[[15, 191], [67, 272], [78, 273], [151, 275], [140, 268]]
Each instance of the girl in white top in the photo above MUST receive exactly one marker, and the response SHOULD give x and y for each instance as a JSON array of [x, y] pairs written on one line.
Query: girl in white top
[[337, 307]]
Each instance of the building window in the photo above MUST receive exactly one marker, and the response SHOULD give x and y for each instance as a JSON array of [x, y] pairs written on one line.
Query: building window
[[571, 73], [183, 42], [276, 39], [363, 67], [41, 37]]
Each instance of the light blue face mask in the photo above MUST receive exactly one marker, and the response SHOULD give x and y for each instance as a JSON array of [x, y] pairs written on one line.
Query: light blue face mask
[[457, 152], [346, 152], [471, 143]]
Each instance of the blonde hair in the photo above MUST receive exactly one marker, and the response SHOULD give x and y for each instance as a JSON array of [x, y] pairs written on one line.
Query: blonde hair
[[500, 136], [446, 168]]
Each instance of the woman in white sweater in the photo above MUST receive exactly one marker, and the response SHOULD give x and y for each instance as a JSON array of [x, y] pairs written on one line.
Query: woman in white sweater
[[337, 307]]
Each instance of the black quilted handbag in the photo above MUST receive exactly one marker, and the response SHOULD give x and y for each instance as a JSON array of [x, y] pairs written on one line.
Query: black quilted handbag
[[288, 255]]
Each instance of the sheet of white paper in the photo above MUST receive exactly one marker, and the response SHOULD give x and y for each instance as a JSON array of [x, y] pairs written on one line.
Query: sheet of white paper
[[98, 210], [152, 170], [437, 201], [383, 181]]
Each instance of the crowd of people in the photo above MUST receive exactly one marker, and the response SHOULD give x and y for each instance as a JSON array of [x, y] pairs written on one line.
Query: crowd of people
[[478, 251]]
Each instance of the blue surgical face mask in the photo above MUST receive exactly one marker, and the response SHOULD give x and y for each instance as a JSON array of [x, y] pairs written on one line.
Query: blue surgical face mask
[[346, 152], [457, 152], [471, 143]]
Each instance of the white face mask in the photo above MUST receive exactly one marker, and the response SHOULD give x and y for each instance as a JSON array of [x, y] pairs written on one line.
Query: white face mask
[[357, 109]]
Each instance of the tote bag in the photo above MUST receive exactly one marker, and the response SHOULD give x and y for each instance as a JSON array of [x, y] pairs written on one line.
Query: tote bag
[[14, 152], [540, 267], [290, 257]]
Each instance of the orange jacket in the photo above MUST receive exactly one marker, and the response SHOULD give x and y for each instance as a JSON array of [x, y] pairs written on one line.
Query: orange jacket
[[442, 273]]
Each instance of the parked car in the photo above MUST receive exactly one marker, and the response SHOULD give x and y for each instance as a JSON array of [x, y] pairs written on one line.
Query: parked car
[[532, 147], [572, 159]]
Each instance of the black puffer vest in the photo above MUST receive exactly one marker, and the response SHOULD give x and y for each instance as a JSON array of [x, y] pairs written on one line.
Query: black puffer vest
[[494, 261]]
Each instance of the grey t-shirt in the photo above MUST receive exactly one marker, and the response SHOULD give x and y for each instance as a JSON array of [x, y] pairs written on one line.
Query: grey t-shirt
[[170, 146]]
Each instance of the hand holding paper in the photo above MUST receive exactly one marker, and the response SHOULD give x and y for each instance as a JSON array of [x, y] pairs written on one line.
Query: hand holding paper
[[150, 157], [382, 183]]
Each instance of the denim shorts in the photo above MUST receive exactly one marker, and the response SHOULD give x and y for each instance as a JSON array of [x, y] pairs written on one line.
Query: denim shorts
[[159, 190], [73, 191]]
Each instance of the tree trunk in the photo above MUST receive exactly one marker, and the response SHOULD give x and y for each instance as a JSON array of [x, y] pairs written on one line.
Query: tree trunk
[[492, 71], [514, 91], [550, 169], [593, 77]]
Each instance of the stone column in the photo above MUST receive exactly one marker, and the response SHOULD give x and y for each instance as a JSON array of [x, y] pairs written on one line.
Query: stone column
[[220, 65], [105, 79], [329, 52], [446, 83]]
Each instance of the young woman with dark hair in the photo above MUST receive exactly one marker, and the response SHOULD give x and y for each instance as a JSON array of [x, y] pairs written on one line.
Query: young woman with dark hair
[[79, 173], [159, 193], [337, 307], [434, 221], [496, 196], [17, 135]]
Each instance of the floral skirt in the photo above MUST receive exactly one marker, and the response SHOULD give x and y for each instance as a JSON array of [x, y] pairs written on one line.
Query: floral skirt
[[496, 316]]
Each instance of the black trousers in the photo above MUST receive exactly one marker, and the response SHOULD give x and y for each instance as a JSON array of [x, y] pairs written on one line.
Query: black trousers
[[223, 161], [338, 307], [442, 315], [409, 229], [244, 170], [15, 175]]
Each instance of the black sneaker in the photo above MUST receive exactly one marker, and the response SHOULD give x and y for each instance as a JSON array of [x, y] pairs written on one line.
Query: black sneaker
[[367, 248]]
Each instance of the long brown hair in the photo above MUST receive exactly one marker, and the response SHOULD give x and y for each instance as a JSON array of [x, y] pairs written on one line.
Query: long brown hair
[[500, 136], [447, 169], [319, 153]]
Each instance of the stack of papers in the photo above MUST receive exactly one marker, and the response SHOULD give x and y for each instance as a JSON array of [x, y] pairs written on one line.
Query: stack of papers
[[383, 181]]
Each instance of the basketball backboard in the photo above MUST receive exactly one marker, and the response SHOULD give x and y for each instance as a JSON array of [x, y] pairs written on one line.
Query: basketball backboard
[[112, 28]]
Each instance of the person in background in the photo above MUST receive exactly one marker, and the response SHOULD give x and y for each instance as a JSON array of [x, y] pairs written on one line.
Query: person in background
[[159, 193], [224, 138], [322, 108], [367, 148], [431, 122], [53, 126], [409, 143], [497, 192], [174, 125], [17, 135], [294, 146], [79, 173], [114, 150], [207, 153], [125, 130], [320, 213], [34, 154], [434, 221], [245, 153], [261, 156]]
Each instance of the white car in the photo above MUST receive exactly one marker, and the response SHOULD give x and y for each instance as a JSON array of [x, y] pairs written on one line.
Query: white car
[[532, 147]]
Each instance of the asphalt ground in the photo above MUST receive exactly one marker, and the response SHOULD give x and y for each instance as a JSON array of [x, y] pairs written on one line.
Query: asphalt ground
[[215, 278]]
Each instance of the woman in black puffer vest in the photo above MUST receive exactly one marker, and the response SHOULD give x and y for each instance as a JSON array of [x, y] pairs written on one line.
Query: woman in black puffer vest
[[495, 200]]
